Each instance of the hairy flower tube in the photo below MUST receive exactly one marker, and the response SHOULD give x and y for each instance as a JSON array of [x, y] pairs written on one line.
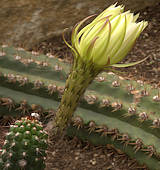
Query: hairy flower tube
[[102, 43], [108, 38]]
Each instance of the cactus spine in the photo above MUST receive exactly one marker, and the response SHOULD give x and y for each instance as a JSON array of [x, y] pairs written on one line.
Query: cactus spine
[[25, 146]]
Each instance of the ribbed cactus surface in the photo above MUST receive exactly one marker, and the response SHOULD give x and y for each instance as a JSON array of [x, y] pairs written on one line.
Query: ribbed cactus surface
[[25, 146], [113, 110]]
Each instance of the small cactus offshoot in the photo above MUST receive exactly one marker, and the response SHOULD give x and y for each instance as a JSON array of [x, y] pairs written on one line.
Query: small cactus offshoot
[[25, 145]]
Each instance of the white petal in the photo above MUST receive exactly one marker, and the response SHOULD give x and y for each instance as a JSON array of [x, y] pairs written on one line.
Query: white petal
[[131, 35], [117, 37]]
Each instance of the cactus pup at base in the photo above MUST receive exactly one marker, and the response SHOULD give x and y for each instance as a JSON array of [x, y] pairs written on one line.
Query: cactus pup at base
[[102, 43]]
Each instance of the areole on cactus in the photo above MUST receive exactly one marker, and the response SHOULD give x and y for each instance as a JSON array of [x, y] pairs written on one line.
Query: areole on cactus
[[102, 43]]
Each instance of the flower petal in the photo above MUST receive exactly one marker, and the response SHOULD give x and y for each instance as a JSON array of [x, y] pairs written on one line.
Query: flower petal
[[128, 64], [133, 32]]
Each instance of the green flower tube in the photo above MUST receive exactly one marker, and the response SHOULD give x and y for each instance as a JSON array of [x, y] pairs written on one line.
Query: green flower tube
[[102, 43]]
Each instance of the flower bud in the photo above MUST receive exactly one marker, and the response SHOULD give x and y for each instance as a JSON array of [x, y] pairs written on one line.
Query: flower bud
[[108, 38]]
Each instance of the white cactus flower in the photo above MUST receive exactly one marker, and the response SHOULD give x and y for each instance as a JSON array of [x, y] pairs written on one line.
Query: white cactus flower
[[108, 38]]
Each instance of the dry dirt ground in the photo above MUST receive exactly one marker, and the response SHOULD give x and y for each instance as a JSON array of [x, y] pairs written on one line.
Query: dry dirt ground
[[69, 154]]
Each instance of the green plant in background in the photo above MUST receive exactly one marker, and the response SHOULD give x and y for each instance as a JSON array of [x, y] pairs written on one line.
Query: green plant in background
[[102, 43], [25, 145]]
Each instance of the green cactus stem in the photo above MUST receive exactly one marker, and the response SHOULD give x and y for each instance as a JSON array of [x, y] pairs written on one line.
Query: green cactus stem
[[25, 146], [101, 129], [79, 79]]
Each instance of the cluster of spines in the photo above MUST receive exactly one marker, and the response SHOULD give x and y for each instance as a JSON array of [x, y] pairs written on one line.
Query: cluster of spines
[[128, 111], [37, 84], [23, 108], [114, 133], [23, 81], [117, 81], [137, 93], [25, 146], [26, 58]]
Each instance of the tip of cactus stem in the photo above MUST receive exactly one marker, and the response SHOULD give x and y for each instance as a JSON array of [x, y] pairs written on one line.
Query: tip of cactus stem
[[35, 115]]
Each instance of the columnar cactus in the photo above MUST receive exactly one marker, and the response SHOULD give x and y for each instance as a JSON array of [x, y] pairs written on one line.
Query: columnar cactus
[[25, 146]]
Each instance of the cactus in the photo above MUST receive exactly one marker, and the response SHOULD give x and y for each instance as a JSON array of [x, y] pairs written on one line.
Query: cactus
[[112, 107], [25, 146]]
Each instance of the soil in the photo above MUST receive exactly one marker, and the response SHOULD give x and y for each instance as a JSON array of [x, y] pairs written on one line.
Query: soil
[[65, 153]]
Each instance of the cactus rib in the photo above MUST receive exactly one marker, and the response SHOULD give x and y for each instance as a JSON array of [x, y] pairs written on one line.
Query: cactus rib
[[111, 108]]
